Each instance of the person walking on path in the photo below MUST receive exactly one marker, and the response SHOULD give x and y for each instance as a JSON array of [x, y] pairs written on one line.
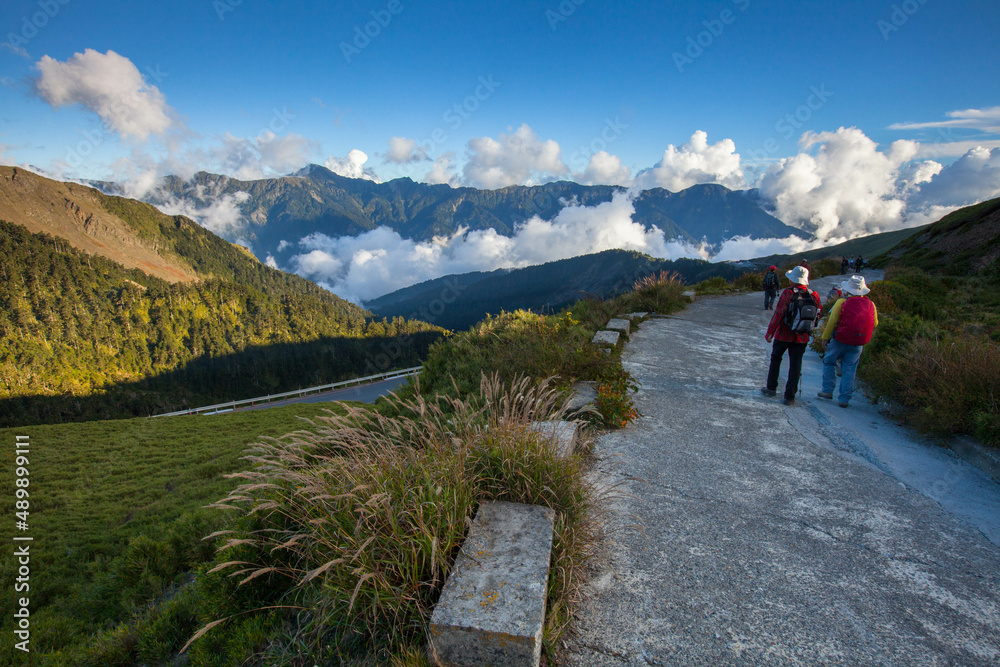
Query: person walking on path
[[771, 285], [791, 333], [849, 328], [844, 265]]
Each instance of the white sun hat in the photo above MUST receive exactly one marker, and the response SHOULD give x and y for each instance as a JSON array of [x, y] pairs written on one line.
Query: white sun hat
[[856, 285], [799, 274]]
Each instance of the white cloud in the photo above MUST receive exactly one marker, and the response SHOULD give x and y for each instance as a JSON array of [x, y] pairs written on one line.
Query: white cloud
[[987, 120], [110, 86], [970, 179], [695, 162], [222, 216], [352, 166], [443, 171], [405, 151], [285, 153], [604, 169], [265, 155], [847, 189], [947, 143], [15, 49], [744, 247], [517, 158], [380, 261]]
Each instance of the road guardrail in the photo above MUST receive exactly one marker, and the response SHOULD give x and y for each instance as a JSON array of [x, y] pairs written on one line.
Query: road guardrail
[[232, 405]]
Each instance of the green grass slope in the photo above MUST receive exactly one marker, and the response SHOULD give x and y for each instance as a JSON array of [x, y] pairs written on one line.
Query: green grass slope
[[116, 510], [961, 243]]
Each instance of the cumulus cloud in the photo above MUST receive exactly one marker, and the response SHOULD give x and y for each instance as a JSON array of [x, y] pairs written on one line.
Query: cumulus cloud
[[519, 157], [380, 261], [695, 162], [604, 169], [847, 189], [970, 179], [109, 85], [443, 171], [405, 151], [351, 166]]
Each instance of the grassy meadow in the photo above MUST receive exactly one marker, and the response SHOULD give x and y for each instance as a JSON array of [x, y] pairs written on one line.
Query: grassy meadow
[[117, 516]]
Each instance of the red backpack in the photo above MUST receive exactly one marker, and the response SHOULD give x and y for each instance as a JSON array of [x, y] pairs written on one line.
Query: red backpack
[[857, 321]]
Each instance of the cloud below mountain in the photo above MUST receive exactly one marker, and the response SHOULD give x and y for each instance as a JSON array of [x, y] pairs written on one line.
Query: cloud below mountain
[[380, 261]]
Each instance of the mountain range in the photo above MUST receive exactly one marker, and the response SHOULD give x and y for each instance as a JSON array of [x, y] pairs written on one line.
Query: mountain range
[[274, 213]]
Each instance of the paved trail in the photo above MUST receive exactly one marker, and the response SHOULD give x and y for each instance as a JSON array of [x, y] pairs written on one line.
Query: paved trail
[[778, 535]]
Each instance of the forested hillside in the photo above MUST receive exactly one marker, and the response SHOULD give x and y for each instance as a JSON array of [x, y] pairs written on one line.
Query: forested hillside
[[459, 301], [83, 337]]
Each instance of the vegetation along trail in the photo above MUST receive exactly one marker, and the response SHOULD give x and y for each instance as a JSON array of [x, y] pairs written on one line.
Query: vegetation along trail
[[755, 533]]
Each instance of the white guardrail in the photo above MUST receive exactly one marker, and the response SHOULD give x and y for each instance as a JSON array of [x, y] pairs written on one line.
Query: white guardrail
[[232, 405]]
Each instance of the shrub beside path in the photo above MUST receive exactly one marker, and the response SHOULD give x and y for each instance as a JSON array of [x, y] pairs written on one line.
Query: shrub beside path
[[774, 535]]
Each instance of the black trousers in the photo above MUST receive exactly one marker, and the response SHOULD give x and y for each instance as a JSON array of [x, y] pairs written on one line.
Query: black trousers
[[795, 352]]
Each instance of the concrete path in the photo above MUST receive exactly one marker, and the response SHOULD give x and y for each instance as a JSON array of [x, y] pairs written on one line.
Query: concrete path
[[775, 535]]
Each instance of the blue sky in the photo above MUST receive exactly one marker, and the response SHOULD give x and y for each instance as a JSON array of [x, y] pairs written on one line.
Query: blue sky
[[802, 99]]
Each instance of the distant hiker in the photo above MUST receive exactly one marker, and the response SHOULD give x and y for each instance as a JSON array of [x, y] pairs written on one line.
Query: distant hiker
[[771, 285], [845, 264], [804, 263], [859, 264], [849, 328], [795, 316], [834, 293]]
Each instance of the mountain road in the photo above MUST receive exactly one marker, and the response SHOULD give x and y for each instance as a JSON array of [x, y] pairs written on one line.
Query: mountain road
[[747, 532]]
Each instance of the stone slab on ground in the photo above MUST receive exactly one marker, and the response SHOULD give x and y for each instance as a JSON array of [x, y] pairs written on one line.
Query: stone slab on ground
[[621, 325], [492, 607], [563, 434], [606, 338], [584, 396], [635, 318]]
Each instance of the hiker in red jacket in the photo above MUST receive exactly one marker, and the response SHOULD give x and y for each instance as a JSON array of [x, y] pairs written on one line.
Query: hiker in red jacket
[[791, 336], [848, 330]]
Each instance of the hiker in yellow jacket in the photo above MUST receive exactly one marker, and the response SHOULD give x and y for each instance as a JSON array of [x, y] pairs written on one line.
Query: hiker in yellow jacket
[[849, 328]]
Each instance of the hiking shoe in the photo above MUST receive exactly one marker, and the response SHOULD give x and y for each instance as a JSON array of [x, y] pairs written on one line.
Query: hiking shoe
[[789, 401], [768, 392], [825, 394], [842, 404]]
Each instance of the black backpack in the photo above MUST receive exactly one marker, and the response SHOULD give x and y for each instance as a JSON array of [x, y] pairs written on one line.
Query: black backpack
[[802, 312], [771, 281]]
